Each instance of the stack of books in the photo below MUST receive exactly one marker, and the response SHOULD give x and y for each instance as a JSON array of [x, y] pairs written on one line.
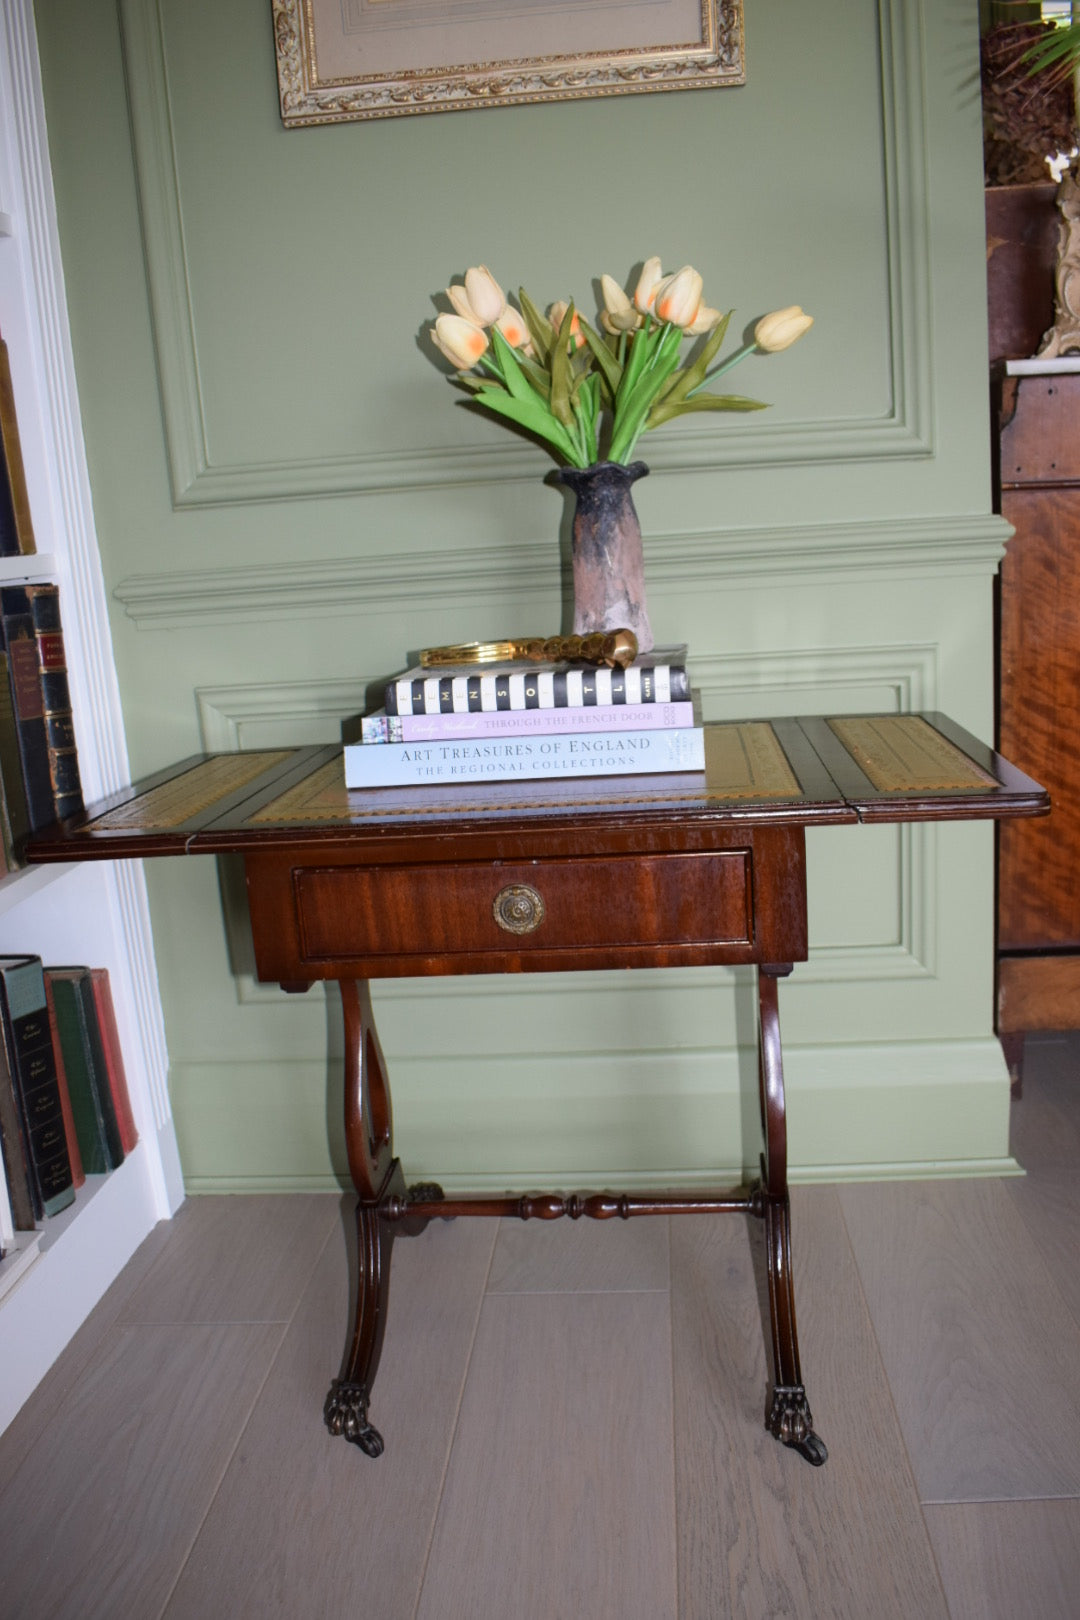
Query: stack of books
[[525, 721], [65, 1108]]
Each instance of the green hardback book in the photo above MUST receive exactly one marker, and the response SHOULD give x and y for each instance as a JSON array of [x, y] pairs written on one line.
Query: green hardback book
[[71, 992], [32, 1064]]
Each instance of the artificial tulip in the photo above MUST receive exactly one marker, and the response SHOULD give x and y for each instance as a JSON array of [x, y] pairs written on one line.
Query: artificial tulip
[[678, 297], [484, 294], [781, 329], [460, 300], [621, 316], [557, 314], [513, 328], [703, 321], [460, 340], [650, 278]]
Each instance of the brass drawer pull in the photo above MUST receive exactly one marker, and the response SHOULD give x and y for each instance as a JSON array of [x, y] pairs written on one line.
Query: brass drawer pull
[[519, 908]]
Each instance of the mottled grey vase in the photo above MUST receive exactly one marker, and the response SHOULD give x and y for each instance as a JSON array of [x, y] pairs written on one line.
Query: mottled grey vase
[[609, 568]]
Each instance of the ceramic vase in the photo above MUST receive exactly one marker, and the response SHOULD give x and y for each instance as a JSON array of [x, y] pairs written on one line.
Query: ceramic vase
[[608, 565]]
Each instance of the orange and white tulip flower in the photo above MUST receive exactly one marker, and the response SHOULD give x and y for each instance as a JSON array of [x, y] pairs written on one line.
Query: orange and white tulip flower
[[557, 314], [782, 328], [460, 340], [513, 328], [484, 294], [650, 278], [703, 321], [460, 300], [678, 297], [618, 313]]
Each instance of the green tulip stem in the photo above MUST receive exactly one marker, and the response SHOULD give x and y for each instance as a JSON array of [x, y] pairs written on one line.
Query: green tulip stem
[[725, 365]]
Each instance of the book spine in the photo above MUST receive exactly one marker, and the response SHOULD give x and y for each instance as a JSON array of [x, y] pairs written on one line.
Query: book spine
[[14, 810], [114, 1058], [27, 704], [28, 1040], [384, 728], [527, 758], [16, 529], [71, 1135], [84, 1066], [15, 1149], [56, 700], [492, 691]]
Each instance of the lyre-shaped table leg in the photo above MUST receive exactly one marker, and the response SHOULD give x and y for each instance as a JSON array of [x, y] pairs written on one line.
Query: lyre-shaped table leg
[[789, 1416], [378, 1179]]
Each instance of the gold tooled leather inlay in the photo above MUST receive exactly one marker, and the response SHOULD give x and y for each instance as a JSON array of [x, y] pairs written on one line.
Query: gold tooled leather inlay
[[176, 801], [902, 753], [743, 760]]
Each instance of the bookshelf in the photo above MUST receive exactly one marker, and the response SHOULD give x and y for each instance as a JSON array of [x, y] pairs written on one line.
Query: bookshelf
[[97, 914]]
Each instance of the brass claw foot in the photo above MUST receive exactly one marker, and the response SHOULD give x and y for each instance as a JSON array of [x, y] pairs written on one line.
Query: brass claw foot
[[345, 1413], [790, 1422]]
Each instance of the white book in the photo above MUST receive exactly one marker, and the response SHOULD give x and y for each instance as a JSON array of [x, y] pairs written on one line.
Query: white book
[[507, 759]]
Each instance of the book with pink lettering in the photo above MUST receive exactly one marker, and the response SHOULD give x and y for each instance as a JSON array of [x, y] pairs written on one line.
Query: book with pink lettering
[[402, 728]]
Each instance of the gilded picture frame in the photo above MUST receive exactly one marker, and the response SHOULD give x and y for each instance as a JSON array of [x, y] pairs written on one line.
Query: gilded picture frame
[[343, 60]]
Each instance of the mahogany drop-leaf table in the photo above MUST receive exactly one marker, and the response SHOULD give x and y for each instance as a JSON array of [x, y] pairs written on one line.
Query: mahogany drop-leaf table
[[546, 876]]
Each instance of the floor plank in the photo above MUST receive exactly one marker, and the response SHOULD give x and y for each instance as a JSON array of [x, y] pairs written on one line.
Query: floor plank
[[306, 1525], [980, 1349], [580, 1256], [760, 1531], [244, 1258], [1044, 1123], [1005, 1560], [23, 1432], [559, 1498], [1049, 1205], [99, 1517]]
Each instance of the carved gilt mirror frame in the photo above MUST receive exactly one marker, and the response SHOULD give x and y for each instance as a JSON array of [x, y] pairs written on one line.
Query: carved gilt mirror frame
[[340, 60]]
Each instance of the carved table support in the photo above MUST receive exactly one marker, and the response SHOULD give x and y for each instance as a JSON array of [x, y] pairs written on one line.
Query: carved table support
[[380, 1187], [789, 1416]]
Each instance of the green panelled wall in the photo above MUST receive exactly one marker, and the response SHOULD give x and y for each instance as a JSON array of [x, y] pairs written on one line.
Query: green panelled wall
[[288, 501]]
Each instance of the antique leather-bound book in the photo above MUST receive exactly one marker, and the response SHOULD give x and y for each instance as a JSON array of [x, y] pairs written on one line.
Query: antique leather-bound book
[[29, 1050]]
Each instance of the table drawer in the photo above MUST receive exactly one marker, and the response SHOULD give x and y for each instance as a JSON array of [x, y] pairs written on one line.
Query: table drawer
[[651, 902]]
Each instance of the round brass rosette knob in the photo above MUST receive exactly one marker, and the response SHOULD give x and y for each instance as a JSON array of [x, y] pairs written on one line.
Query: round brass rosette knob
[[519, 908]]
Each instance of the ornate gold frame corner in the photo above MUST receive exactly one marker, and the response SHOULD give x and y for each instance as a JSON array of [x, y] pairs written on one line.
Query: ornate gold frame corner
[[717, 61]]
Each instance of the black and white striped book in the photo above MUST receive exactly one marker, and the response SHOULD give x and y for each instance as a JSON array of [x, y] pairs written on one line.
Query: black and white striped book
[[658, 677]]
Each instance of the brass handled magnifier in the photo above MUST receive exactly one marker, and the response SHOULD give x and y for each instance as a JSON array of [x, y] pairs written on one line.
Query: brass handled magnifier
[[612, 649]]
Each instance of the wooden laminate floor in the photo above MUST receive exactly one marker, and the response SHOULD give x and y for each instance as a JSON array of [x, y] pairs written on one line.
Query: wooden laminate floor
[[573, 1415]]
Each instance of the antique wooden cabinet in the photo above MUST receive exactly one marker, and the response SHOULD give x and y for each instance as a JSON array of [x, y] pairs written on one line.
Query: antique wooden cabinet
[[1037, 419]]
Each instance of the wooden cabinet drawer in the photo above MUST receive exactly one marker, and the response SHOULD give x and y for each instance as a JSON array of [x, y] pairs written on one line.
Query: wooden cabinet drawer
[[592, 904]]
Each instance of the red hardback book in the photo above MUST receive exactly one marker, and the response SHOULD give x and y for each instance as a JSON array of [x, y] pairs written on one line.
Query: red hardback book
[[114, 1057]]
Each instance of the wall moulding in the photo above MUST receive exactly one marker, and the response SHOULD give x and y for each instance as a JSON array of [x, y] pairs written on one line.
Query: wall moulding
[[199, 477], [531, 568], [928, 1095]]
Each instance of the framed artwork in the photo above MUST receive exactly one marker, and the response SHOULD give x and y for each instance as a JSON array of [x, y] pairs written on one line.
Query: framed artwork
[[16, 530], [339, 60]]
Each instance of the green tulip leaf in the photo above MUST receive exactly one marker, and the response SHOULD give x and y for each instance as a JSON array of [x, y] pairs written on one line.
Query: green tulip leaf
[[509, 368], [667, 409], [540, 328], [691, 376], [561, 375], [537, 376], [610, 369], [529, 413]]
